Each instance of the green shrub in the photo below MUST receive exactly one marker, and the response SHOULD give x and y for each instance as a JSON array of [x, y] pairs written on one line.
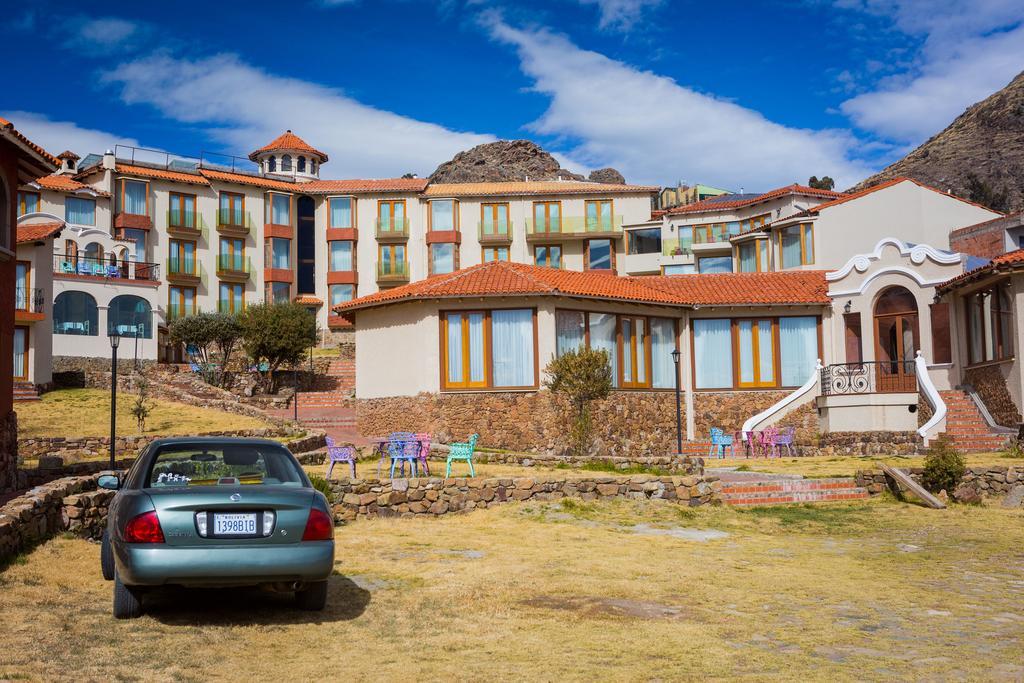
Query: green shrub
[[1014, 450], [582, 375], [321, 485], [943, 466], [274, 335]]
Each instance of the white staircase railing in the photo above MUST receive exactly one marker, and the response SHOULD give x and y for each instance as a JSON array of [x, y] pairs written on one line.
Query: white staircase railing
[[777, 409], [931, 394]]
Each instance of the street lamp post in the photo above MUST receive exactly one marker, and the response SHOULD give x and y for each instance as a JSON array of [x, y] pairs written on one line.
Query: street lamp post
[[679, 407], [115, 339]]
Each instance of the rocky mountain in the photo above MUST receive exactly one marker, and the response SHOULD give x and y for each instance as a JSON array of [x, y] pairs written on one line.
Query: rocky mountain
[[980, 156], [508, 160]]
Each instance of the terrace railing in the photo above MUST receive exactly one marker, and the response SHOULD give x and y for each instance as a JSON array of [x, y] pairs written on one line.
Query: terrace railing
[[869, 377], [77, 265]]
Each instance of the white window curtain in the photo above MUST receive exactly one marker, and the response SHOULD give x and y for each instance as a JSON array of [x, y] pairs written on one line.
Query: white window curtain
[[442, 258], [791, 247], [80, 211], [712, 354], [748, 255], [282, 257], [476, 347], [746, 355], [455, 348], [765, 352], [798, 349], [341, 293], [512, 348], [602, 336], [281, 204], [341, 212], [135, 198], [663, 342], [569, 331], [341, 256], [442, 215]]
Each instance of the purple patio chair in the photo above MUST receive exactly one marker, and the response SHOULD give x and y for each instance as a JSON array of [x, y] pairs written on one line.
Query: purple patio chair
[[337, 453], [752, 443], [770, 441], [785, 438], [424, 451]]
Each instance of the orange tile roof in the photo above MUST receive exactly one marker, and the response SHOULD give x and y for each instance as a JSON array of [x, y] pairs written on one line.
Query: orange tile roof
[[366, 185], [160, 174], [288, 141], [308, 300], [520, 188], [9, 127], [65, 183], [1007, 262], [35, 232], [503, 278], [711, 205], [245, 179]]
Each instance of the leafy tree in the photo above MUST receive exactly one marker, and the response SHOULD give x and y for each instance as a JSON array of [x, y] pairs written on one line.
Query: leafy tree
[[944, 467], [274, 335], [582, 376], [204, 334], [826, 183], [141, 408]]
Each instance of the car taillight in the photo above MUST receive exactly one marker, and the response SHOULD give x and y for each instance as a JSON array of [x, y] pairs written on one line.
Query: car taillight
[[319, 526], [144, 528]]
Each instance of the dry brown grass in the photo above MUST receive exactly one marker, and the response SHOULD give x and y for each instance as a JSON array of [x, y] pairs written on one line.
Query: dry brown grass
[[568, 591]]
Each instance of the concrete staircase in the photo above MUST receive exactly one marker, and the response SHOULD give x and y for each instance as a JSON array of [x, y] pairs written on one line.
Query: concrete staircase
[[966, 426], [777, 490], [25, 391]]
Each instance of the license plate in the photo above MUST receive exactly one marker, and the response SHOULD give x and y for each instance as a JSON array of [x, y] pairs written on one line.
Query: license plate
[[234, 524]]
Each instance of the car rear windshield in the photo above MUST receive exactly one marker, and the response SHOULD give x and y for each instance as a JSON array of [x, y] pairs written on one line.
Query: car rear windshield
[[223, 465]]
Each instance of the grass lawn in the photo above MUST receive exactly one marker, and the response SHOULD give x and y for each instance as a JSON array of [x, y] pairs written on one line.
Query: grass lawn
[[86, 412], [569, 590], [847, 465], [367, 469]]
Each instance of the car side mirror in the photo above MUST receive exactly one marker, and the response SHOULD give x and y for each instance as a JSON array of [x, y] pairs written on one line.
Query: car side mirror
[[109, 481]]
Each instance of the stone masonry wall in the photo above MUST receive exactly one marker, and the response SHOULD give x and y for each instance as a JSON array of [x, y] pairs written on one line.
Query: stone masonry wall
[[990, 384], [408, 497], [730, 409], [93, 446], [869, 443], [993, 480], [39, 514], [9, 452]]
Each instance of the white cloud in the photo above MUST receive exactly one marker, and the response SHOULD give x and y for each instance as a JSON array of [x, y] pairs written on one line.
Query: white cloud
[[620, 15], [654, 130], [336, 3], [247, 107], [105, 34], [57, 136], [969, 49]]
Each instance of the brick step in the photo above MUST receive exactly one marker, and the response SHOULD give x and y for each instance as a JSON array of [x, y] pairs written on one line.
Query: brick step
[[789, 485], [795, 497]]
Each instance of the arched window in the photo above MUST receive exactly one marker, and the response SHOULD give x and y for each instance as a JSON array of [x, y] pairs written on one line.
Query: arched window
[[130, 316], [272, 165], [286, 162], [94, 253], [75, 313], [302, 164]]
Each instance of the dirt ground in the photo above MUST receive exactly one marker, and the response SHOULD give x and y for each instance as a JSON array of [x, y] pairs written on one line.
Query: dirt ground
[[619, 590]]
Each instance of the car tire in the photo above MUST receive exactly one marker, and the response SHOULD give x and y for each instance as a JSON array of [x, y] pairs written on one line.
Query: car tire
[[106, 557], [127, 600], [313, 597]]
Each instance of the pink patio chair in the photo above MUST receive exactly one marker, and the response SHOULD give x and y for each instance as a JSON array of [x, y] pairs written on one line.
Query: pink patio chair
[[786, 439], [424, 451], [770, 442], [752, 444]]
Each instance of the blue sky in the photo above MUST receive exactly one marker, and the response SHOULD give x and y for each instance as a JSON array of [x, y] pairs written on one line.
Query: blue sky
[[734, 94]]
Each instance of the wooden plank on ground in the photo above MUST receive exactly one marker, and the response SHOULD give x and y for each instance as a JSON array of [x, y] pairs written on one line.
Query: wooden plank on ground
[[915, 488]]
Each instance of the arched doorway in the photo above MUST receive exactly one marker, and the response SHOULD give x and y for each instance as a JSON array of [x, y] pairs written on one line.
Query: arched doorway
[[897, 338]]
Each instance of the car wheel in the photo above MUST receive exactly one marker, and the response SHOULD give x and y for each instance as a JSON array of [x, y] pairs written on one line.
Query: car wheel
[[106, 557], [127, 600], [313, 597]]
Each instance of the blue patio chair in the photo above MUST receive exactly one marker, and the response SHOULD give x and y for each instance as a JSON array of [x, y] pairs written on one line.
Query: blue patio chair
[[84, 269], [461, 451], [113, 271], [403, 447], [67, 267], [719, 442]]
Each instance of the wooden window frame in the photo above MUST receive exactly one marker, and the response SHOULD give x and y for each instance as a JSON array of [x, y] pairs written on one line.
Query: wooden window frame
[[268, 253], [455, 214], [648, 373], [734, 336], [548, 247], [488, 383], [755, 347], [341, 284], [180, 289], [330, 269], [1004, 348], [181, 197], [633, 365], [599, 202], [175, 244], [547, 217], [493, 207], [352, 212], [20, 197], [391, 203], [391, 247], [495, 249], [586, 255], [28, 284], [231, 285], [430, 256], [803, 229], [232, 198], [761, 248], [122, 182], [270, 208], [231, 244]]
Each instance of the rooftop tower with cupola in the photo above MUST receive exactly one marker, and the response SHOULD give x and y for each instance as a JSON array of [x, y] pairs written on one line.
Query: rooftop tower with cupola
[[291, 156]]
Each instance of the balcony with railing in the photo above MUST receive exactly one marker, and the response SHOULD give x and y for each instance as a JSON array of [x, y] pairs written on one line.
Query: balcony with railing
[[869, 377], [187, 224], [28, 304], [230, 306], [673, 246], [175, 311], [234, 267], [573, 227], [389, 273], [392, 229], [494, 232], [234, 222], [78, 266], [187, 271]]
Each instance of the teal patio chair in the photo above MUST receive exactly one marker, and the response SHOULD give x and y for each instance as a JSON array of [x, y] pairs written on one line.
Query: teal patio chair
[[461, 451]]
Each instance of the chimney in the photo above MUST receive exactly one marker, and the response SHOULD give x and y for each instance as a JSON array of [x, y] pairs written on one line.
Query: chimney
[[108, 160], [68, 162]]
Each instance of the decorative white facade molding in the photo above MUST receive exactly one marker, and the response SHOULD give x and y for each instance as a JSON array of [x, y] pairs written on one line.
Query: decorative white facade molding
[[917, 253], [924, 381], [909, 272], [39, 214]]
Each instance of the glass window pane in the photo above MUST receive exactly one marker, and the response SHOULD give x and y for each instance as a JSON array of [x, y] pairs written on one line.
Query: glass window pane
[[808, 244], [641, 350], [341, 212], [746, 351], [715, 264], [766, 352], [281, 253], [680, 269], [540, 256], [627, 351], [341, 256], [476, 347], [748, 262], [556, 256], [570, 332], [712, 354], [80, 211], [442, 258], [645, 241], [512, 348], [600, 255], [990, 342], [135, 198], [791, 247], [798, 349], [341, 294], [662, 344], [454, 348], [442, 215], [603, 337], [281, 209]]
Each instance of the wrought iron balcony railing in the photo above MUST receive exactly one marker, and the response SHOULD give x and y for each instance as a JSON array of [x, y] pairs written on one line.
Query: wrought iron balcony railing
[[869, 377], [28, 299], [89, 266]]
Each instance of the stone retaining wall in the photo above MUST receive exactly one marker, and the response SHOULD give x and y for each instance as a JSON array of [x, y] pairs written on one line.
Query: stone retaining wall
[[989, 381], [39, 514], [994, 480], [869, 443], [8, 452], [52, 468], [408, 497], [85, 514]]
